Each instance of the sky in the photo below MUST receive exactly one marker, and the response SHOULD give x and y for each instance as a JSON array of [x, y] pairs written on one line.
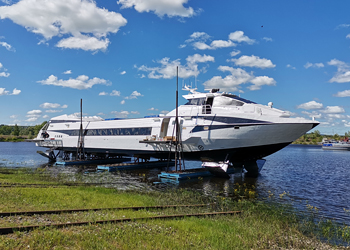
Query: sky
[[120, 56]]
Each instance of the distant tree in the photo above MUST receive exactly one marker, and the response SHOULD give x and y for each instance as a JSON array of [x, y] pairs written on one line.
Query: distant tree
[[5, 130], [347, 134], [15, 131], [336, 137], [317, 133]]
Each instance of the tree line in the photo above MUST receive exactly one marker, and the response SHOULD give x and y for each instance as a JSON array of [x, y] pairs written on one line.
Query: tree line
[[15, 133], [316, 137]]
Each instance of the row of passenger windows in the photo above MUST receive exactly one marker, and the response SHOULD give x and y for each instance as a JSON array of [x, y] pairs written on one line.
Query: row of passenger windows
[[109, 131]]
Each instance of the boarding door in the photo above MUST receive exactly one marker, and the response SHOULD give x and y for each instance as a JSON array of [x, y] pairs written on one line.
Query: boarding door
[[164, 128]]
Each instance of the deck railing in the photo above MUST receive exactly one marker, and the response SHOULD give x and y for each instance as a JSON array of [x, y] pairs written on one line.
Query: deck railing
[[206, 109]]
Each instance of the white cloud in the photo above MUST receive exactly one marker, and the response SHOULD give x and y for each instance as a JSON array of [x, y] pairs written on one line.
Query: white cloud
[[171, 8], [121, 114], [198, 40], [7, 46], [313, 65], [313, 114], [153, 109], [135, 112], [84, 42], [216, 44], [231, 82], [115, 93], [34, 112], [53, 111], [345, 93], [47, 105], [197, 58], [238, 36], [343, 72], [81, 20], [164, 112], [33, 115], [336, 116], [167, 69], [67, 72], [201, 46], [122, 102], [3, 91], [3, 74], [81, 82], [348, 36], [333, 110], [235, 53], [290, 66], [260, 81], [310, 105], [32, 119], [267, 39], [198, 36], [13, 116], [15, 91], [123, 72], [253, 61], [134, 95], [345, 25]]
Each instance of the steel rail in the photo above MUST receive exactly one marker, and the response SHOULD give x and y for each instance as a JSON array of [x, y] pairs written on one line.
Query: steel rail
[[5, 185], [29, 213], [9, 230]]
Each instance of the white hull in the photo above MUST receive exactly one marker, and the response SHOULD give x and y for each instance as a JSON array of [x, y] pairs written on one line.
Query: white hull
[[242, 132], [336, 146]]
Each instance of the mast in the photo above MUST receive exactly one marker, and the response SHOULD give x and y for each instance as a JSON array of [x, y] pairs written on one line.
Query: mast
[[177, 127], [80, 148]]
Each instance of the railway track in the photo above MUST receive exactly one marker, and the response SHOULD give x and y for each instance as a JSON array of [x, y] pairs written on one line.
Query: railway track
[[30, 185], [40, 212], [10, 230]]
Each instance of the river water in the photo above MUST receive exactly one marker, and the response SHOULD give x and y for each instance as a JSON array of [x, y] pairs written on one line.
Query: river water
[[304, 176]]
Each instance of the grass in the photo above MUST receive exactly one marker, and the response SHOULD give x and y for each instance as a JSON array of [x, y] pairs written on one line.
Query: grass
[[261, 225]]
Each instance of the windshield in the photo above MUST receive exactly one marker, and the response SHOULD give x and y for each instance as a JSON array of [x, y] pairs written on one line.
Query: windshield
[[196, 101]]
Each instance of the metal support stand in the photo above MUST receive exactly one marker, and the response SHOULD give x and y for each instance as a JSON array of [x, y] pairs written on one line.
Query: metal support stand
[[80, 147]]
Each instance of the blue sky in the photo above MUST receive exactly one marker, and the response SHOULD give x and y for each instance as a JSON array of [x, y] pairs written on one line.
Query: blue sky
[[120, 56]]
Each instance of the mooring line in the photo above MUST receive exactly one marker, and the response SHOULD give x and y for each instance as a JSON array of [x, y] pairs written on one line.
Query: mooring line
[[29, 213], [9, 230]]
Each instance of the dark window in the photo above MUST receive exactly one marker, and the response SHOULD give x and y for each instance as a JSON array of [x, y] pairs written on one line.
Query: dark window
[[196, 101], [110, 131]]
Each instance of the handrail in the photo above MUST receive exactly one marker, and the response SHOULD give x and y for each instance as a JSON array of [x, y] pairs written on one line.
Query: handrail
[[206, 109]]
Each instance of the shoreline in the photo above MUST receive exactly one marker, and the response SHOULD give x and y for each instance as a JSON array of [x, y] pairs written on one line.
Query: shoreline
[[261, 225]]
